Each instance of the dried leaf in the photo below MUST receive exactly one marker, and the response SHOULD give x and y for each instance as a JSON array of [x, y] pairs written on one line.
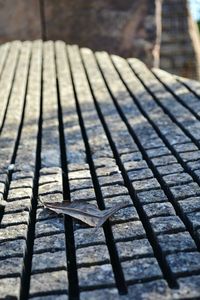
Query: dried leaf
[[86, 212]]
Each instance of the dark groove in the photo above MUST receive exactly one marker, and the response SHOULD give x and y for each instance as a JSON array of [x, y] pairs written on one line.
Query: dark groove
[[179, 100], [25, 278], [161, 259], [73, 288], [165, 188], [114, 258], [42, 19], [188, 87]]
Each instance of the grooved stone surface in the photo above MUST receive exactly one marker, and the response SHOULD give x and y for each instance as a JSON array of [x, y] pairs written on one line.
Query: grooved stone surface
[[95, 127]]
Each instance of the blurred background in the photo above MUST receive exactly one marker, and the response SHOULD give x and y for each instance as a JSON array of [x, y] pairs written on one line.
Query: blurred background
[[162, 33]]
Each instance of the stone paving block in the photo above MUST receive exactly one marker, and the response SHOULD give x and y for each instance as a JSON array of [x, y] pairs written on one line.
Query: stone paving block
[[102, 294], [194, 165], [125, 214], [143, 185], [152, 153], [12, 248], [135, 165], [134, 249], [168, 224], [95, 275], [16, 218], [153, 290], [164, 160], [131, 157], [85, 237], [184, 262], [85, 194], [177, 179], [51, 226], [170, 169], [92, 255], [185, 147], [6, 290], [152, 196], [191, 204], [107, 171], [18, 206], [49, 260], [13, 232], [159, 209], [189, 288], [194, 219], [77, 184], [48, 282], [140, 174], [52, 243], [111, 179], [142, 268], [133, 229], [186, 190], [113, 190], [176, 242], [11, 267], [190, 156]]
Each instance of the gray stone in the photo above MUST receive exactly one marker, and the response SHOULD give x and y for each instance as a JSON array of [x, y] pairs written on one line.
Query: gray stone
[[184, 262], [6, 287], [12, 248], [153, 290], [127, 213], [186, 190], [13, 232], [164, 160], [152, 196], [152, 153], [194, 219], [194, 165], [176, 242], [88, 236], [95, 275], [15, 218], [177, 179], [145, 185], [131, 157], [11, 267], [49, 260], [189, 287], [170, 169], [47, 227], [102, 294], [185, 147], [159, 209], [190, 156], [107, 171], [113, 190], [78, 184], [111, 179], [189, 205], [169, 224], [92, 255], [79, 174], [135, 165], [142, 268], [140, 174], [85, 194], [48, 282], [49, 243], [133, 229], [134, 249]]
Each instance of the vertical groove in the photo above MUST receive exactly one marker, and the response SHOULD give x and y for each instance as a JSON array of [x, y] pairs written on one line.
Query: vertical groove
[[69, 236], [42, 19], [25, 279], [116, 265], [143, 217]]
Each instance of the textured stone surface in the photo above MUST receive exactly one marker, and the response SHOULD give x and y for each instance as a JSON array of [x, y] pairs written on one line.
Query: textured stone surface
[[141, 150]]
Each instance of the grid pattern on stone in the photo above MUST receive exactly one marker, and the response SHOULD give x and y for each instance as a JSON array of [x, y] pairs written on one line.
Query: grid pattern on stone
[[97, 127]]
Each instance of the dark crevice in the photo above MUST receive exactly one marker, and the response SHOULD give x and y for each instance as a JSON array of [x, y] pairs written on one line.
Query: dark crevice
[[25, 278], [179, 100], [165, 188], [167, 273], [73, 288], [114, 258], [42, 19]]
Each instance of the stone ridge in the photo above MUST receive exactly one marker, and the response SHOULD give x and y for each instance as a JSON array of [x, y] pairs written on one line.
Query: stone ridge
[[82, 125]]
